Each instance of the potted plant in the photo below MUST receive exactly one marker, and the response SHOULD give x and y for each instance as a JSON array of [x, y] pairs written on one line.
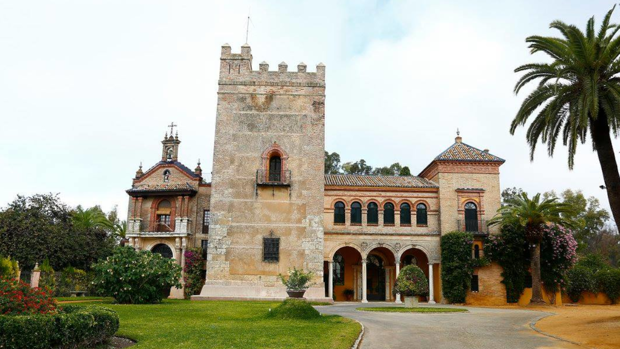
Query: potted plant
[[297, 282], [411, 283], [349, 293]]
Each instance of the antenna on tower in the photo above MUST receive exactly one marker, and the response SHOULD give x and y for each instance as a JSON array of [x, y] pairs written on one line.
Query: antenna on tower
[[247, 27]]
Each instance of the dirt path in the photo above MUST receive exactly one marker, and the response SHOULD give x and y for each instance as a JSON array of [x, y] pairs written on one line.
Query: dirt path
[[593, 326]]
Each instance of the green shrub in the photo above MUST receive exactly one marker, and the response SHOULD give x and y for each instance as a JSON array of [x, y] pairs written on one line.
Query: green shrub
[[579, 279], [136, 277], [294, 309], [457, 265], [72, 327], [70, 279], [48, 276], [608, 282], [594, 262], [411, 282], [8, 268], [297, 280]]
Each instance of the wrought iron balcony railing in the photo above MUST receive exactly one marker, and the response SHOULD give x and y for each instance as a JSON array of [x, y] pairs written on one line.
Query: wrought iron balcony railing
[[476, 226], [280, 178], [157, 226]]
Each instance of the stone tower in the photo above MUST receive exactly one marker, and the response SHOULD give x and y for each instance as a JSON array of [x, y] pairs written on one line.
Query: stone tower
[[267, 181]]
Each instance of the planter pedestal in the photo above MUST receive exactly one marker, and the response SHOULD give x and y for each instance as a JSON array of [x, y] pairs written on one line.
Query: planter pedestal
[[296, 294], [411, 302]]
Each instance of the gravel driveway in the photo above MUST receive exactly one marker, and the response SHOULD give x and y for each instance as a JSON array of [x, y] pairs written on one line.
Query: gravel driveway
[[479, 328]]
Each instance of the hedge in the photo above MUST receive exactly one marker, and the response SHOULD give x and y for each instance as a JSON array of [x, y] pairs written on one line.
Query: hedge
[[72, 327], [457, 265]]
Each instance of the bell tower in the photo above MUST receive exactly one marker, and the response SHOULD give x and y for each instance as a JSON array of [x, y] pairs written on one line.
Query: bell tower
[[170, 148]]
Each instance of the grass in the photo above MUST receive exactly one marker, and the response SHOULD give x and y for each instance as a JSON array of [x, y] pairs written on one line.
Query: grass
[[219, 324], [413, 310], [67, 299]]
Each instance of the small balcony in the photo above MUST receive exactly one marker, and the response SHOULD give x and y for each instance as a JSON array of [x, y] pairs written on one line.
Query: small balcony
[[275, 179], [476, 227], [159, 226]]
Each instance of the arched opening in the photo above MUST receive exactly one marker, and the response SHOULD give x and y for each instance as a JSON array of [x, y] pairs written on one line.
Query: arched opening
[[471, 217], [421, 215], [405, 214], [164, 212], [414, 256], [163, 250], [356, 213], [372, 216], [346, 274], [380, 274], [166, 176], [388, 214], [339, 213], [275, 168]]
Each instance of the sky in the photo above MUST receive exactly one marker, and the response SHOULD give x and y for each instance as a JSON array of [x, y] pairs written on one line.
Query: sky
[[87, 87]]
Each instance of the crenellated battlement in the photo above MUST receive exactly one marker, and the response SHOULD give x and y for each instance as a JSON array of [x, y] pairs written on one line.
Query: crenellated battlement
[[236, 68]]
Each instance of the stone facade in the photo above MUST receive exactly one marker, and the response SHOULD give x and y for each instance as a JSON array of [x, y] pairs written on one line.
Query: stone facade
[[353, 232]]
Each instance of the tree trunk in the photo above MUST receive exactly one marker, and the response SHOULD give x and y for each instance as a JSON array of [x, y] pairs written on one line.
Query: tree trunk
[[537, 297], [601, 137]]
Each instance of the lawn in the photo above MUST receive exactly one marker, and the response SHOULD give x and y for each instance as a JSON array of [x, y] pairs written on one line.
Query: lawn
[[218, 324], [413, 310]]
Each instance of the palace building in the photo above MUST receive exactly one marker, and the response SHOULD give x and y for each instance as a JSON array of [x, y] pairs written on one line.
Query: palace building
[[269, 206]]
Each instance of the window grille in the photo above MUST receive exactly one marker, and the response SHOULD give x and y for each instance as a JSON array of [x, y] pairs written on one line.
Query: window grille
[[206, 220], [339, 213], [421, 215], [405, 214], [388, 214], [373, 213], [356, 213], [271, 249]]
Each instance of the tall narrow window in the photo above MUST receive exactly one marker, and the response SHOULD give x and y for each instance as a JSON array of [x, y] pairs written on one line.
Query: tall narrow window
[[206, 220], [421, 215], [338, 270], [373, 214], [204, 244], [388, 214], [475, 287], [166, 176], [476, 252], [405, 214], [356, 213], [339, 213], [275, 169], [471, 217], [271, 249]]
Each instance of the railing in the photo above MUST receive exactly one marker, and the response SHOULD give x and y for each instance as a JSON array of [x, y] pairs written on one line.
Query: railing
[[281, 178], [156, 226], [473, 226]]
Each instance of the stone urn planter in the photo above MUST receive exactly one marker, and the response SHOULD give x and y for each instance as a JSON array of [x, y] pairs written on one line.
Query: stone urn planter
[[411, 301], [296, 294]]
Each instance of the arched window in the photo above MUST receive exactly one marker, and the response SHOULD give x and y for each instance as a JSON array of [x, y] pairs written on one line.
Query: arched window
[[372, 214], [163, 250], [421, 217], [388, 214], [409, 260], [339, 213], [275, 169], [338, 270], [405, 214], [476, 252], [356, 213], [166, 176], [164, 210], [471, 217]]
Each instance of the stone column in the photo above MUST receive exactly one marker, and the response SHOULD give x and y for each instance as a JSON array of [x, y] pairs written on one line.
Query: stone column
[[35, 276], [364, 281], [431, 282], [331, 280], [397, 272]]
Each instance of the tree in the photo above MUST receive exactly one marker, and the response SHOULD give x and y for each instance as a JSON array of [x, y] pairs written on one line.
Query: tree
[[509, 194], [405, 171], [533, 215], [41, 227], [332, 163], [358, 167], [578, 92]]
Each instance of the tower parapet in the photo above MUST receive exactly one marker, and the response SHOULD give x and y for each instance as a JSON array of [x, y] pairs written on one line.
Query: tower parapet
[[236, 69]]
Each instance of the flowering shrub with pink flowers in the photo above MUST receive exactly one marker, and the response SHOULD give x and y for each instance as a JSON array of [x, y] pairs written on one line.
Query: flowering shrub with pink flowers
[[193, 272], [558, 253]]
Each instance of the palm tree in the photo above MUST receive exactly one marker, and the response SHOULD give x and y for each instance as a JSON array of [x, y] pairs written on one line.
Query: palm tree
[[533, 215], [579, 91], [90, 218]]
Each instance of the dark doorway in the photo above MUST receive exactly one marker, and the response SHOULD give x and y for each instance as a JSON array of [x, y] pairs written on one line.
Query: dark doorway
[[471, 217], [375, 284], [275, 169], [163, 250]]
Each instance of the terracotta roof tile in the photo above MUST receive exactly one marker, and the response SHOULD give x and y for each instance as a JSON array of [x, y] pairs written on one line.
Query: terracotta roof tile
[[349, 180], [464, 152]]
